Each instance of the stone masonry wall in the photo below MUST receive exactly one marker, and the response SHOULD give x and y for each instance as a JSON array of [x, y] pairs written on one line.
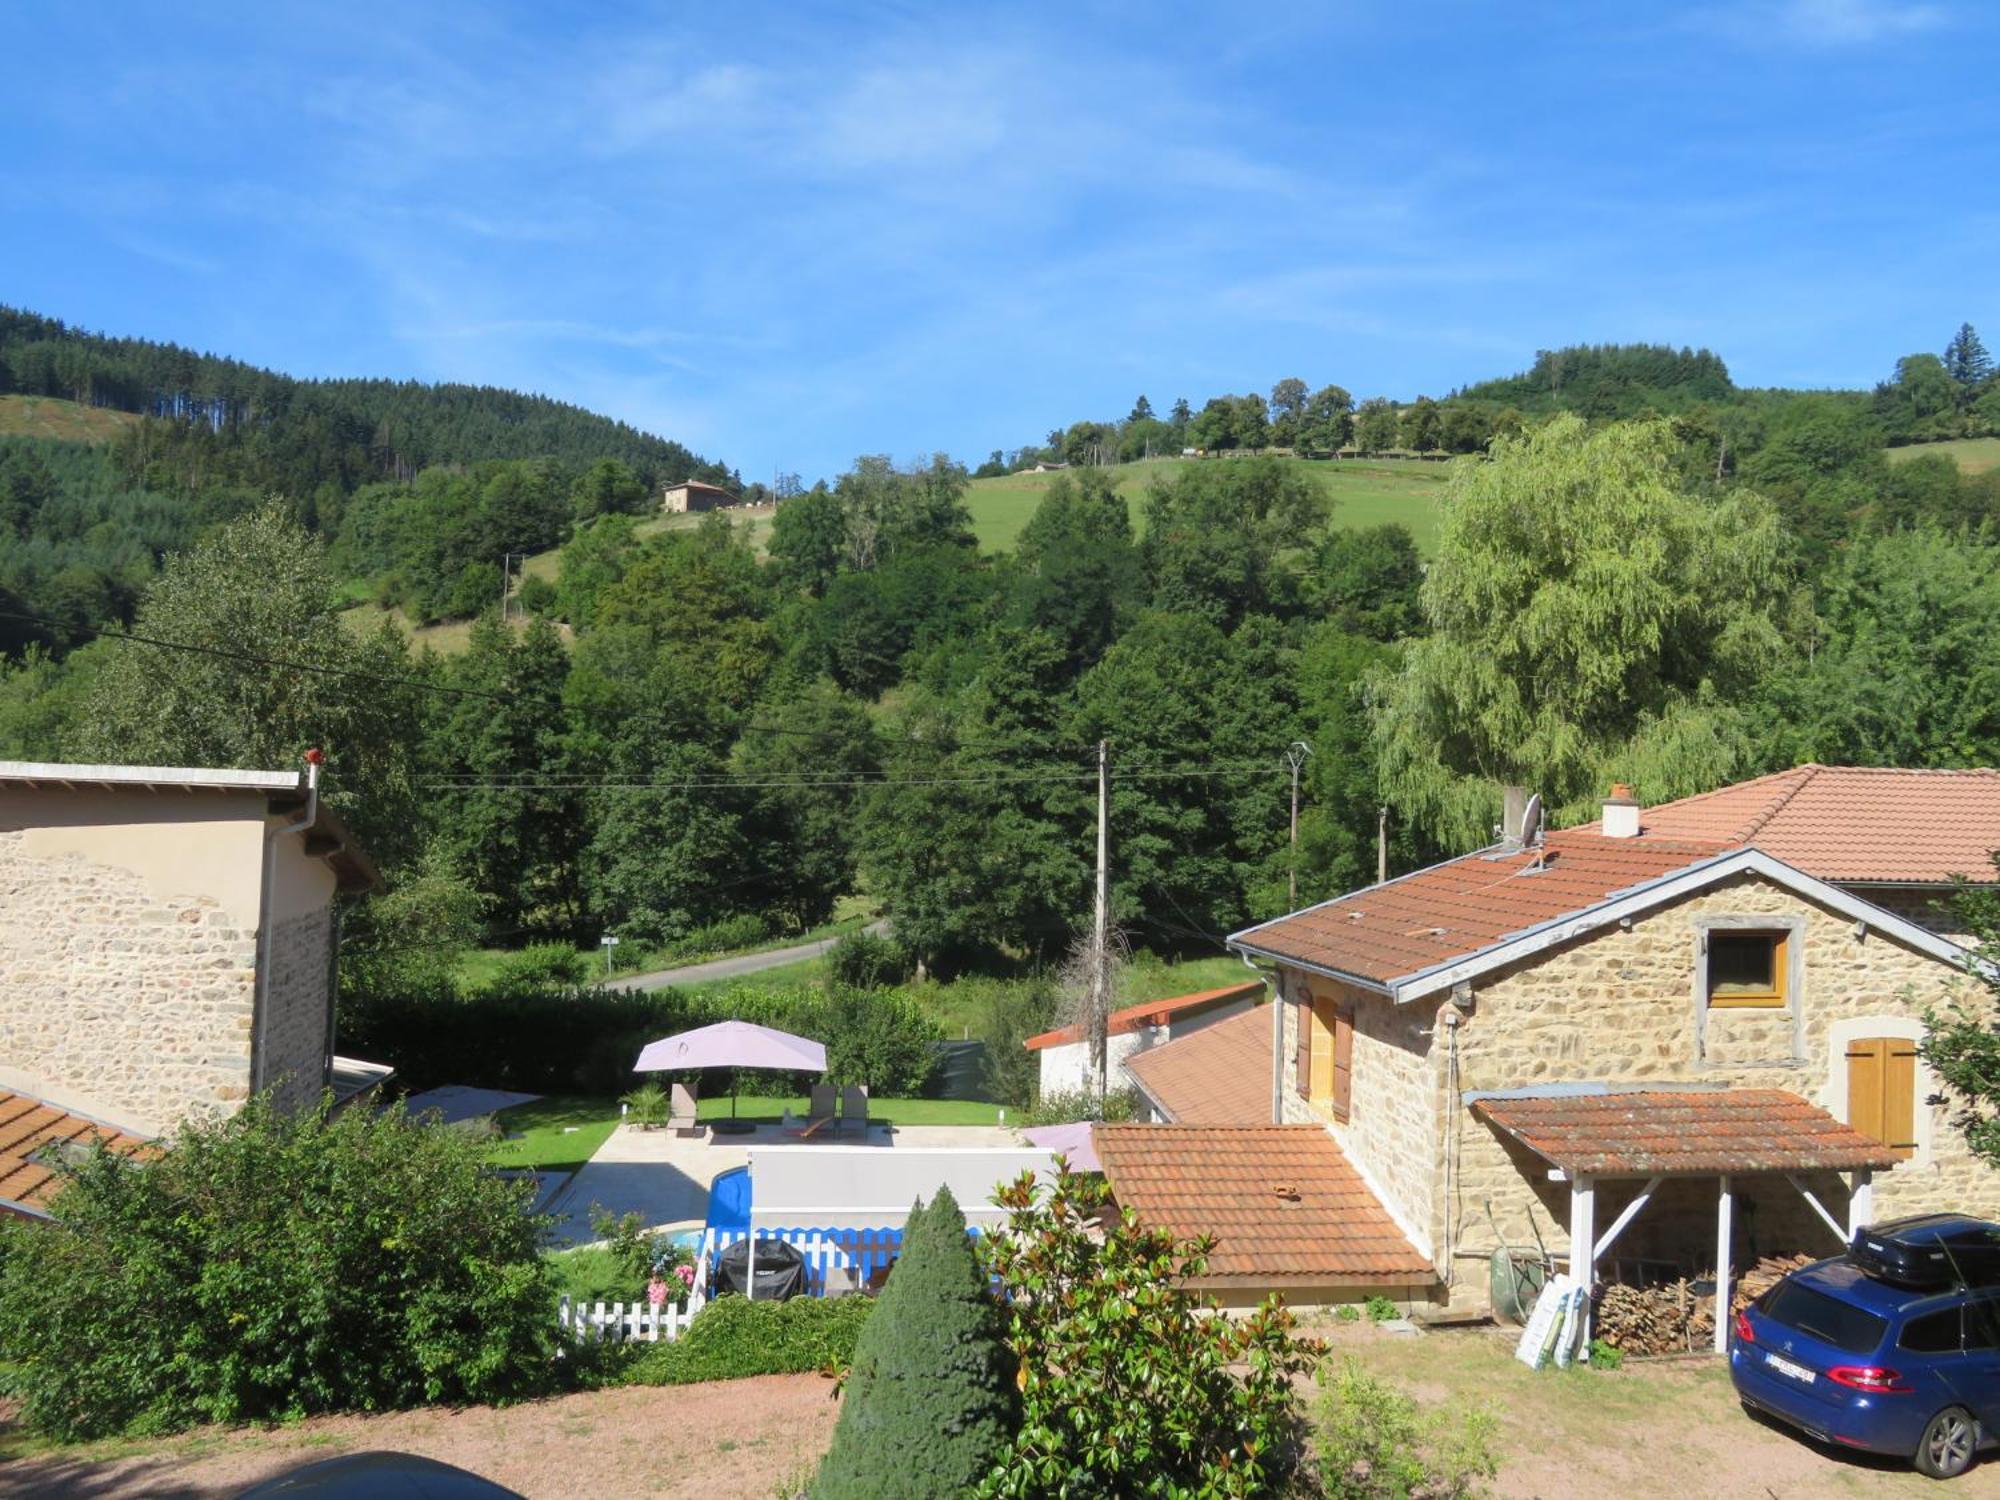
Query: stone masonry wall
[[1620, 1006], [112, 993], [1392, 1118], [297, 1007]]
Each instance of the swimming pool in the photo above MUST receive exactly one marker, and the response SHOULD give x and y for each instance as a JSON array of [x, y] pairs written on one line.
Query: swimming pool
[[729, 1199]]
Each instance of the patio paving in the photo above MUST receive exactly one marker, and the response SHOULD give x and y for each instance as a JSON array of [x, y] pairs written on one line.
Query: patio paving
[[664, 1177]]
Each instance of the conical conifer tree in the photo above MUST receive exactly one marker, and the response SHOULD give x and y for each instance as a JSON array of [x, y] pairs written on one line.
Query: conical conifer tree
[[931, 1400]]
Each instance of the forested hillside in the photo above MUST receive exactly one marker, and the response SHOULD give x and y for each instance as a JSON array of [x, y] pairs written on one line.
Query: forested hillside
[[676, 732]]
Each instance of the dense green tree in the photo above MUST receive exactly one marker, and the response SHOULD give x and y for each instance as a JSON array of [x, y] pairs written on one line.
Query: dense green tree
[[1223, 540], [1327, 422], [1368, 580], [516, 842], [803, 759], [1966, 359], [608, 487], [700, 597], [885, 509], [1588, 617], [930, 1401], [1907, 668], [1198, 718], [1417, 427], [1081, 573], [268, 672], [1376, 425], [1142, 410], [1921, 402]]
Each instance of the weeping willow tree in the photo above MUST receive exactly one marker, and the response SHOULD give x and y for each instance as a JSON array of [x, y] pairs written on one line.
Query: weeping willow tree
[[1591, 618]]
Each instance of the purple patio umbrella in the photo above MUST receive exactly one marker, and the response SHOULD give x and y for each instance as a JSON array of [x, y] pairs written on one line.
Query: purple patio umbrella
[[732, 1044]]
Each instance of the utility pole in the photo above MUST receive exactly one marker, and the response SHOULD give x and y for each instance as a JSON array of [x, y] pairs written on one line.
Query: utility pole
[[507, 561], [1295, 756], [1381, 844], [1100, 1002]]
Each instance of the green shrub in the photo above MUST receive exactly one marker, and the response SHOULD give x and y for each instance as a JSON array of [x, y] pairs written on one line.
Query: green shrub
[[272, 1266], [864, 961], [1347, 1312], [1064, 1105], [1605, 1356], [594, 1274], [930, 1403], [733, 1338], [1129, 1385], [1372, 1442], [541, 964], [744, 930], [1004, 1015], [537, 596], [1381, 1310], [648, 1105]]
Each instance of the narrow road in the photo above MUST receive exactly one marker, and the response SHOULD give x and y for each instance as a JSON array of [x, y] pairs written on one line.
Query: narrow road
[[734, 968]]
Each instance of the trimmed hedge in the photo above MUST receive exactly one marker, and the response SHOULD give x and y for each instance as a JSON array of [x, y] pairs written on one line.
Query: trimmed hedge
[[733, 1338], [551, 1040]]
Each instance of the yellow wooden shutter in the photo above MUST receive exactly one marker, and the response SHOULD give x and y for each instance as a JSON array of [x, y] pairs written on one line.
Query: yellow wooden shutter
[[1322, 1052], [1343, 1061], [1865, 1072], [1302, 1049], [1899, 1094]]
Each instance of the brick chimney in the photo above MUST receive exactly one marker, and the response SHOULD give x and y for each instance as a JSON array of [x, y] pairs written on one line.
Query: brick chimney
[[1621, 813]]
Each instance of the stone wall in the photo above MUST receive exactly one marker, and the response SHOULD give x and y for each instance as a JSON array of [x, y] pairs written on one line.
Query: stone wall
[[298, 1002], [1621, 1006], [119, 1000], [1392, 1120]]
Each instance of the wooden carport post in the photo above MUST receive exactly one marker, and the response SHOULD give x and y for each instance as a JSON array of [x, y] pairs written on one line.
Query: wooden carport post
[[1725, 1204]]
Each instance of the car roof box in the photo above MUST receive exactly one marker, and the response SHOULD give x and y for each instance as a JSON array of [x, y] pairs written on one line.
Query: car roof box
[[1930, 1252]]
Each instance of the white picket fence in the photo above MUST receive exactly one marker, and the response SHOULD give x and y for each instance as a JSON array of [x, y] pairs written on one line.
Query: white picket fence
[[838, 1261], [595, 1322]]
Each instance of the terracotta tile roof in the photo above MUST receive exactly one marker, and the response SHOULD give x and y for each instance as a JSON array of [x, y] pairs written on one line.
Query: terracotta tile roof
[[27, 1126], [1219, 1075], [1455, 909], [1149, 1013], [1282, 1202], [1665, 1133], [1851, 823]]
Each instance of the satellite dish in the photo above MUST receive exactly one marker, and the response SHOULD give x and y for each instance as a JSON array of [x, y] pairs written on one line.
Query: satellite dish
[[1531, 822]]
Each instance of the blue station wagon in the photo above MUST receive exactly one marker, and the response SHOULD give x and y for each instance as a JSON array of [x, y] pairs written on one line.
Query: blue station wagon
[[1856, 1360]]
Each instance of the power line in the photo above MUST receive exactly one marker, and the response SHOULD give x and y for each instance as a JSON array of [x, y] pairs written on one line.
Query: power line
[[713, 783], [225, 654]]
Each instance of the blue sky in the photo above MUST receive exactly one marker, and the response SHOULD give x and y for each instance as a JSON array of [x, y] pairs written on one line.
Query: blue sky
[[787, 235]]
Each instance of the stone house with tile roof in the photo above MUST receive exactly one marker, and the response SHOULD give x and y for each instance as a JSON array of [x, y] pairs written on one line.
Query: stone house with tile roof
[[168, 950], [1675, 1036]]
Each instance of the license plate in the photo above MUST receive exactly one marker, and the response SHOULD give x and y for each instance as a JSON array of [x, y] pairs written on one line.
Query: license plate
[[1787, 1367]]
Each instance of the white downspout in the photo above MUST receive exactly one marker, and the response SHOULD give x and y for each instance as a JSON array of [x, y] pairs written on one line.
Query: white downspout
[[261, 992], [1277, 1037]]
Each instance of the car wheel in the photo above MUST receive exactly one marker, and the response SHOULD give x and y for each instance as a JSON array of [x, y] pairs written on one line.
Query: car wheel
[[1948, 1444]]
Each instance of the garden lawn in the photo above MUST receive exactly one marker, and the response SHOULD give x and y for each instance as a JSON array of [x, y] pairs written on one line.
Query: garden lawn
[[558, 1134]]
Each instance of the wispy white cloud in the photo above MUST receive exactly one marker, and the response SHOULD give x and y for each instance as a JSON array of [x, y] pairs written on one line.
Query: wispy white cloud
[[1828, 24]]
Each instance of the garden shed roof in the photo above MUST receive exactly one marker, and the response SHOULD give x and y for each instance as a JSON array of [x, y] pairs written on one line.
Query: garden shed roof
[[33, 1139]]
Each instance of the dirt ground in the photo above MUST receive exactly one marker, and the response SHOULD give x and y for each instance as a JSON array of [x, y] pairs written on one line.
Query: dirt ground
[[1653, 1429]]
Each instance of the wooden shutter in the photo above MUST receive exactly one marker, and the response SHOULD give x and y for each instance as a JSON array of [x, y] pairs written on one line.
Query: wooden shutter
[[1882, 1090], [1899, 1094], [1343, 1061], [1303, 1047], [1322, 1030]]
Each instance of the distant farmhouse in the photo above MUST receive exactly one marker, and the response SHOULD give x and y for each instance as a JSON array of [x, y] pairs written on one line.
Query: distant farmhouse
[[692, 496]]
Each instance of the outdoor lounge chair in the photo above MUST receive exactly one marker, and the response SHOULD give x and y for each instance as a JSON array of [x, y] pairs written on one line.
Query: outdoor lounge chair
[[854, 1108], [819, 1117], [681, 1117]]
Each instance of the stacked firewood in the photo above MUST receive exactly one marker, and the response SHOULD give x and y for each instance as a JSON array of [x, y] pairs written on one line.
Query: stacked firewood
[[1667, 1318], [1671, 1317], [1761, 1277]]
